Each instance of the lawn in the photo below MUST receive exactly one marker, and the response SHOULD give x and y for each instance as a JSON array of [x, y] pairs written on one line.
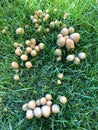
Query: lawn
[[80, 83]]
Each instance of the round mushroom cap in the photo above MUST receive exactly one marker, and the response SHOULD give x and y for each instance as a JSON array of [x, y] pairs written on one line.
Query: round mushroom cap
[[41, 46], [24, 57], [71, 30], [63, 99], [64, 31], [70, 44], [55, 108], [28, 64], [48, 97], [61, 42], [37, 112], [82, 55], [58, 52], [45, 111], [15, 65], [32, 104], [76, 60], [70, 57], [25, 107], [43, 101], [75, 37], [29, 114]]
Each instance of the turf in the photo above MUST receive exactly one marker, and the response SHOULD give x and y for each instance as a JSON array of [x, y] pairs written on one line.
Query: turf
[[80, 84]]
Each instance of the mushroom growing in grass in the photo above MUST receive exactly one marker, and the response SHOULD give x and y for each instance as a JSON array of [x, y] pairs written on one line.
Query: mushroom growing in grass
[[4, 31], [55, 108], [61, 42], [16, 77], [71, 30], [37, 48], [59, 82], [49, 103], [41, 46], [43, 101], [24, 57], [63, 99], [82, 55], [60, 75], [52, 24], [28, 42], [58, 59], [64, 31], [28, 64], [33, 53], [59, 36], [38, 102], [29, 114], [75, 37], [37, 112], [18, 51], [76, 60], [35, 20], [15, 65], [70, 44], [48, 97], [33, 41], [46, 111], [58, 52], [28, 49], [16, 44], [70, 57], [25, 107], [19, 31], [32, 104]]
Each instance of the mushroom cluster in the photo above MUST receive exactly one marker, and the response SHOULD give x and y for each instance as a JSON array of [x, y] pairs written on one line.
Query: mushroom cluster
[[42, 107], [68, 38], [32, 49], [60, 77]]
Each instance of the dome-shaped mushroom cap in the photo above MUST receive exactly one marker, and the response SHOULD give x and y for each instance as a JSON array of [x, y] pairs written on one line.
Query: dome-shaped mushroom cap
[[61, 42], [75, 37], [29, 114], [37, 112], [45, 111]]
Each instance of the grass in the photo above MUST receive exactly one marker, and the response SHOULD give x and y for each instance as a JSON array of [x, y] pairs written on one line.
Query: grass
[[80, 83]]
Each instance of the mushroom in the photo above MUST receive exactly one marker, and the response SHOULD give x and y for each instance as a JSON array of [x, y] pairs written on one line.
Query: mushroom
[[19, 31], [35, 20], [29, 114], [60, 75], [58, 52], [52, 24], [64, 31], [32, 104], [71, 30], [70, 57], [15, 65], [25, 107], [28, 49], [4, 31], [45, 111], [55, 108], [24, 57], [63, 99], [28, 64], [38, 102], [41, 46], [28, 42], [59, 82], [33, 41], [59, 36], [70, 44], [43, 101], [58, 58], [82, 55], [37, 48], [33, 53], [18, 51], [48, 97], [16, 77], [37, 112], [16, 44], [49, 103], [61, 42], [75, 37], [76, 60]]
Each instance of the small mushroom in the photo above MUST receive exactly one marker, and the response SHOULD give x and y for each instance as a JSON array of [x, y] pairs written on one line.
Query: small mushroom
[[75, 37], [60, 75], [70, 44], [33, 53], [16, 44], [16, 77], [59, 36], [28, 49], [24, 57], [28, 64], [76, 60], [28, 42], [64, 31], [45, 111], [15, 65], [43, 101], [63, 99], [48, 97], [71, 30], [32, 104], [55, 108], [37, 112], [61, 42], [37, 48], [82, 55], [41, 46], [49, 103], [58, 52], [18, 51], [19, 31], [58, 59], [29, 114], [25, 107], [70, 57], [33, 41], [38, 102], [59, 82]]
